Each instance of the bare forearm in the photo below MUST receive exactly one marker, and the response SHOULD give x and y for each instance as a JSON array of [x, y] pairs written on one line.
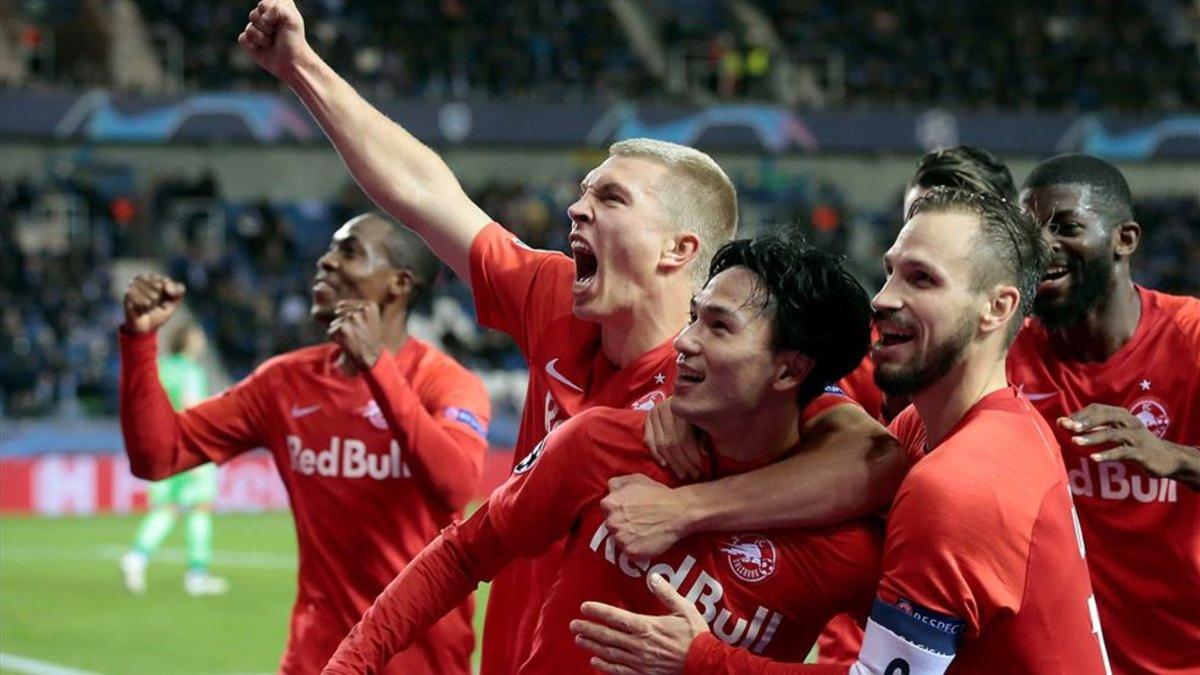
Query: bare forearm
[[828, 484], [398, 172]]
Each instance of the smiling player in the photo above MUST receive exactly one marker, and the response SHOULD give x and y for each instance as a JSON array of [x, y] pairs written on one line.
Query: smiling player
[[379, 438], [1118, 367]]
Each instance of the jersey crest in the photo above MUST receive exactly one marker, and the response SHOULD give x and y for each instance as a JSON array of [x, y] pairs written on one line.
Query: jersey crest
[[374, 415], [650, 400], [752, 557], [1153, 415]]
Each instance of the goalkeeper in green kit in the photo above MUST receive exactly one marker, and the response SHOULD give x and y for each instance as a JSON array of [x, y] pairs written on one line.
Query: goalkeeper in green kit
[[190, 494]]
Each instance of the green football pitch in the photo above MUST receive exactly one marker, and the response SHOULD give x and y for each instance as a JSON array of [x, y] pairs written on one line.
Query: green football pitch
[[62, 603]]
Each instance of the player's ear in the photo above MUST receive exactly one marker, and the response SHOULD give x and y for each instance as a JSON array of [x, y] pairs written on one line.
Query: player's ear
[[1125, 237], [791, 370], [680, 249], [402, 283], [1002, 303]]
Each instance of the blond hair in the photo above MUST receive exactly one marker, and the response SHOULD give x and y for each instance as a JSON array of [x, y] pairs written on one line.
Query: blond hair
[[697, 195]]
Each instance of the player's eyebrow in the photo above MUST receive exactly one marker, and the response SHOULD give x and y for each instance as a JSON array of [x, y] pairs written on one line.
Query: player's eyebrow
[[717, 311]]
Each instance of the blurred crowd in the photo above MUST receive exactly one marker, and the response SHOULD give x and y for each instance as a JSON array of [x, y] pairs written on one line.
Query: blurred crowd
[[70, 239], [1050, 55]]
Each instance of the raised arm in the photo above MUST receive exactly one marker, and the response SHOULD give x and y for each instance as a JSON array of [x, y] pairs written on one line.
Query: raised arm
[[850, 466], [159, 441], [398, 172], [149, 425]]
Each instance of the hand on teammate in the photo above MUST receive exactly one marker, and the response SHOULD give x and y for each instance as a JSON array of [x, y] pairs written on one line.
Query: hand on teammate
[[644, 516], [358, 331], [625, 643], [673, 442], [1131, 441], [274, 37], [150, 301]]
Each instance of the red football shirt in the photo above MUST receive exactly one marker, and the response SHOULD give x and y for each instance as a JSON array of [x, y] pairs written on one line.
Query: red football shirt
[[527, 294], [365, 500], [769, 592], [984, 569], [1142, 532]]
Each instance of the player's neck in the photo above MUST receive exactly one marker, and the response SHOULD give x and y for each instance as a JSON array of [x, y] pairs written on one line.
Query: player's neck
[[943, 404], [769, 432], [646, 325], [1105, 328]]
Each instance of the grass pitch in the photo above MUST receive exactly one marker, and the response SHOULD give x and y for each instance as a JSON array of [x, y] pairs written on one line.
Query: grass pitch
[[62, 602]]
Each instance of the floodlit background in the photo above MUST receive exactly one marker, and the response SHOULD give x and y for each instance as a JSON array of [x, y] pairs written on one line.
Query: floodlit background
[[137, 136]]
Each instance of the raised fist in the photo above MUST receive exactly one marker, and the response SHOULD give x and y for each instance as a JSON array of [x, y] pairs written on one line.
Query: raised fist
[[274, 38], [150, 301]]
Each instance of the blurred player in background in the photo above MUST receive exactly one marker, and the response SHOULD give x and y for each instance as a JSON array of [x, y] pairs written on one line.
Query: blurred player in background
[[595, 331], [1115, 367], [776, 324], [983, 569], [379, 438], [191, 493]]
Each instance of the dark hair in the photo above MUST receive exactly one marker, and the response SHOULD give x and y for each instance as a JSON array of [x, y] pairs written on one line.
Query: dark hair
[[1010, 246], [1105, 180], [965, 167], [817, 307], [406, 250]]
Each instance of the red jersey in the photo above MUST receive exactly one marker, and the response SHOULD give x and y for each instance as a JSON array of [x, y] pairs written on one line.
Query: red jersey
[[365, 499], [1142, 532], [527, 294], [860, 386], [769, 592], [983, 565]]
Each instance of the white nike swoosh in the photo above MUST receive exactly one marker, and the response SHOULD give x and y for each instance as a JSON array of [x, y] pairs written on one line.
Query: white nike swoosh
[[1040, 397], [301, 412], [553, 372]]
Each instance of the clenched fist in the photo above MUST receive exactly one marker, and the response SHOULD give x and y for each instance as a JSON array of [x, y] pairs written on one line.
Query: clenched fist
[[150, 301], [274, 38]]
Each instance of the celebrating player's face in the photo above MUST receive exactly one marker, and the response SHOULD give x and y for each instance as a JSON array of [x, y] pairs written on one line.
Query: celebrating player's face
[[1081, 265], [618, 232], [356, 266], [726, 362], [926, 312]]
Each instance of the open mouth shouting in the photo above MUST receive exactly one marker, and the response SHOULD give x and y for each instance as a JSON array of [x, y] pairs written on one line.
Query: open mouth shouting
[[586, 265]]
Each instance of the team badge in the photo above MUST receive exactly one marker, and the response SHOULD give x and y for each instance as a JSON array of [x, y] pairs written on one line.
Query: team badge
[[374, 415], [1153, 415], [751, 556], [650, 400]]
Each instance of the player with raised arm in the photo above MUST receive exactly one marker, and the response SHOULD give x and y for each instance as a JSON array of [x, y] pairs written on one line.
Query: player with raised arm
[[1117, 366], [983, 567], [379, 438], [776, 323], [595, 330]]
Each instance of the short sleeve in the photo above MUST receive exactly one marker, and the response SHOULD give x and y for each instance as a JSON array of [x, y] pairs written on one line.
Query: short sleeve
[[950, 549], [910, 432], [518, 289], [550, 487]]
